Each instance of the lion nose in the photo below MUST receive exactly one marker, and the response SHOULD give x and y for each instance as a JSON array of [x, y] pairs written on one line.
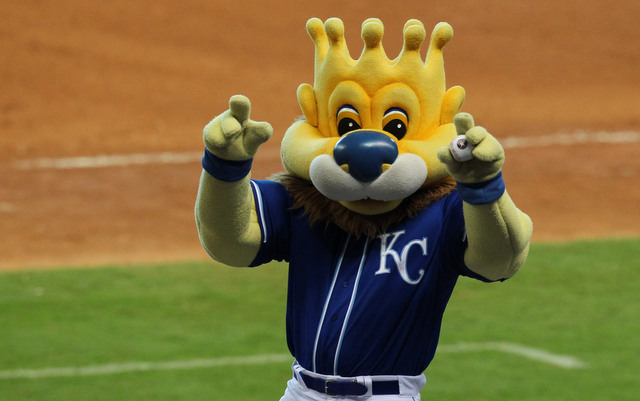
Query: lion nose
[[364, 152]]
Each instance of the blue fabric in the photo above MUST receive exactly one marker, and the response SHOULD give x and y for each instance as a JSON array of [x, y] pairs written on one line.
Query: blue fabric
[[482, 193], [364, 306], [225, 170]]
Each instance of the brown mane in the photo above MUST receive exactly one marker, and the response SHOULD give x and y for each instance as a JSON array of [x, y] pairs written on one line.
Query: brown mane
[[322, 210]]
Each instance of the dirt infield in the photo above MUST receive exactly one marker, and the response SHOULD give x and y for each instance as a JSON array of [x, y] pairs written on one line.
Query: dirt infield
[[84, 78]]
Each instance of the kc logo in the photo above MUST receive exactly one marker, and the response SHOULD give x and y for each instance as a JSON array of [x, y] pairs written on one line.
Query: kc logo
[[387, 243]]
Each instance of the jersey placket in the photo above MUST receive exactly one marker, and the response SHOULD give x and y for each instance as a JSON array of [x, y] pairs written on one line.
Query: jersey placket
[[338, 307]]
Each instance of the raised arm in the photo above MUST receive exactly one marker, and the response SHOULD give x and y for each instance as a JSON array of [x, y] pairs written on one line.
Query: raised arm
[[498, 232], [225, 209]]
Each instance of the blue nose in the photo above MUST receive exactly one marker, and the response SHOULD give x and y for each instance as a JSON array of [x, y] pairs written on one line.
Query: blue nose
[[365, 152]]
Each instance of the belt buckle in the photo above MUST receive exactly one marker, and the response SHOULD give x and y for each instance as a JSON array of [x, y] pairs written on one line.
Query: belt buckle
[[326, 386], [336, 392]]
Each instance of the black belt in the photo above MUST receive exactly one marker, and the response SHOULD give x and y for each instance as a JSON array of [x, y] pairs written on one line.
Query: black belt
[[345, 387]]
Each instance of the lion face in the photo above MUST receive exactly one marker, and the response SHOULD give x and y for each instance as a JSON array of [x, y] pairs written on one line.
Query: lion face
[[372, 127]]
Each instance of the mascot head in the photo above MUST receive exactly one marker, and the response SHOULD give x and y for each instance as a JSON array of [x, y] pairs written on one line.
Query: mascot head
[[372, 127]]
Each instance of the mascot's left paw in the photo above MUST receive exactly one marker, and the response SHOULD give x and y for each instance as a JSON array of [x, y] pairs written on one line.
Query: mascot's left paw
[[488, 154]]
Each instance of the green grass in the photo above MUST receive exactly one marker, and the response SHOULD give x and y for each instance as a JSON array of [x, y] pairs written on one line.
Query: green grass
[[579, 299]]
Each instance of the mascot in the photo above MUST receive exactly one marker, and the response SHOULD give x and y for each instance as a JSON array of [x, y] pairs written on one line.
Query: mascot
[[376, 213]]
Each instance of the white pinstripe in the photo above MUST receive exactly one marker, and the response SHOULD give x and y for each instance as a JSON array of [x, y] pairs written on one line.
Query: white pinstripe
[[326, 302], [351, 302]]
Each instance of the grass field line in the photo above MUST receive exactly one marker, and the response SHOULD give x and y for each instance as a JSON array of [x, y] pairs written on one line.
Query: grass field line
[[101, 161], [115, 368], [562, 361], [536, 354]]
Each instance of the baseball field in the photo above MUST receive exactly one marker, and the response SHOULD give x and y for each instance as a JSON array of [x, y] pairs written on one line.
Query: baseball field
[[105, 293]]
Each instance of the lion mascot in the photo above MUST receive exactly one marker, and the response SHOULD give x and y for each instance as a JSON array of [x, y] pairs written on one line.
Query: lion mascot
[[374, 214]]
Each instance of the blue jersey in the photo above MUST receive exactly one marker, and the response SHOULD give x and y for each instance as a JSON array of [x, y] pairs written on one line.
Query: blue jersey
[[364, 306]]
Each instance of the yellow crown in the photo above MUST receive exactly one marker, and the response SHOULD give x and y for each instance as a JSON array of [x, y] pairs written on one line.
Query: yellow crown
[[374, 70]]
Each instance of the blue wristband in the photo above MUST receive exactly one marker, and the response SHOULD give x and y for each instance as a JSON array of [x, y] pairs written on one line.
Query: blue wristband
[[225, 170], [482, 193]]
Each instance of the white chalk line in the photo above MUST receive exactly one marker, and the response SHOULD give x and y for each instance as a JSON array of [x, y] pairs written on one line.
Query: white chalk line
[[535, 354], [6, 207], [573, 138], [83, 162], [116, 368], [101, 161]]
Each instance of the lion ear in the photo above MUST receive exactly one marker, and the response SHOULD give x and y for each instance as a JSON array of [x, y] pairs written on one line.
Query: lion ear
[[307, 100], [451, 104]]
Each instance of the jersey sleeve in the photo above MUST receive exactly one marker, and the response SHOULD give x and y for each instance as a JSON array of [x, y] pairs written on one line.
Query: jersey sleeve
[[455, 238], [273, 205]]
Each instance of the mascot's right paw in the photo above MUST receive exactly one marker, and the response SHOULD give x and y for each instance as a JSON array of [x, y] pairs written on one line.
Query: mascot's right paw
[[232, 135]]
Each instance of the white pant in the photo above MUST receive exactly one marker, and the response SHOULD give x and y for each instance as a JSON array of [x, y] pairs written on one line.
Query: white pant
[[297, 391]]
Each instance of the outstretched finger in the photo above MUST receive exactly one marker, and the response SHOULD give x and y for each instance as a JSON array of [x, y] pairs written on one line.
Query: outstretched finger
[[240, 108], [257, 134], [230, 125], [463, 123]]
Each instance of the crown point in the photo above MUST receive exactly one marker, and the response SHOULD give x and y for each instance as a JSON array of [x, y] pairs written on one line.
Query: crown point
[[315, 29], [414, 35], [335, 30], [372, 21], [372, 32], [411, 23], [442, 34]]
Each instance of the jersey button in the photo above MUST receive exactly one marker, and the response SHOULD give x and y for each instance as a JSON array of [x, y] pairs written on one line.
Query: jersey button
[[345, 284], [325, 355], [334, 318]]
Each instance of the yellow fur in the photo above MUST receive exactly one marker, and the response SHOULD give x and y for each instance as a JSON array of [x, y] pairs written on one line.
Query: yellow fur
[[374, 84], [371, 86]]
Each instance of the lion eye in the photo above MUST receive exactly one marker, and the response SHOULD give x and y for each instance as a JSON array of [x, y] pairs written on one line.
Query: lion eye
[[348, 119], [347, 125], [395, 122]]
